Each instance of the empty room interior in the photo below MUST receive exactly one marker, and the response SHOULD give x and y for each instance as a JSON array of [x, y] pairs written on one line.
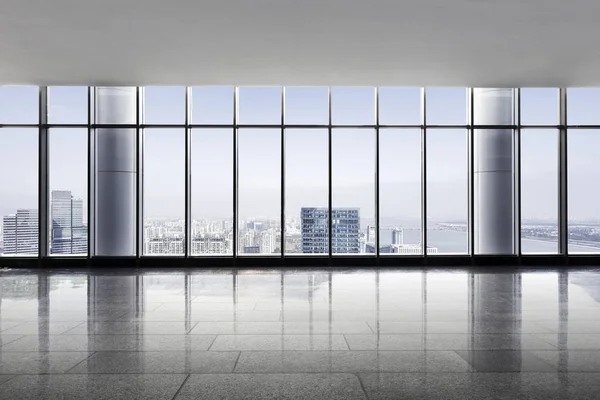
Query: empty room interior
[[299, 199]]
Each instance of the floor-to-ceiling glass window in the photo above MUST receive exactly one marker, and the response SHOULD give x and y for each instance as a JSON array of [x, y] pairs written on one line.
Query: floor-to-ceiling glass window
[[400, 191], [212, 191], [164, 171], [539, 191], [447, 191], [447, 171], [306, 191], [212, 170], [67, 180], [259, 191], [400, 171], [539, 170], [306, 169], [353, 170], [583, 168], [259, 171], [164, 191], [19, 171], [67, 170], [19, 191]]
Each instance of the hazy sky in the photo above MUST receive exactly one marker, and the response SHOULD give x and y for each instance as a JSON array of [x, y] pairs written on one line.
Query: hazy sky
[[305, 151]]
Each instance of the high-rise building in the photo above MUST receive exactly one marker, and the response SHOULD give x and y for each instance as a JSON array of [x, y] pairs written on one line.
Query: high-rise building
[[209, 244], [345, 226], [267, 242], [164, 246], [20, 233], [68, 234]]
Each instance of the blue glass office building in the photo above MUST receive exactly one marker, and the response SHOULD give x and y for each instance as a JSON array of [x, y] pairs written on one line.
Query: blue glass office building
[[345, 227]]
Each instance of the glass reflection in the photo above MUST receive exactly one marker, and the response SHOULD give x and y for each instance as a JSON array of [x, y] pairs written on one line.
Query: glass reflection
[[483, 321]]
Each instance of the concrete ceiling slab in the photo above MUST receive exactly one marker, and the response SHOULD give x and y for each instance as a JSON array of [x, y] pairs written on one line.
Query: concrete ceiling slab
[[487, 43]]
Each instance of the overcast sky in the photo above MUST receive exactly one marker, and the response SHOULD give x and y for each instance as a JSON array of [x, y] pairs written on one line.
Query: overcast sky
[[305, 152]]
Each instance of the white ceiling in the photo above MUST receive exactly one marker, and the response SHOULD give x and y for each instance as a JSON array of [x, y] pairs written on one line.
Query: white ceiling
[[301, 42]]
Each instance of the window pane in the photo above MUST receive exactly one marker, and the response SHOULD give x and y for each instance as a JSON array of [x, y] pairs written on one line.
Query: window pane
[[19, 191], [164, 105], [67, 176], [353, 105], [399, 191], [259, 105], [583, 171], [212, 105], [19, 104], [306, 191], [259, 191], [353, 170], [539, 191], [539, 106], [583, 105], [68, 105], [446, 106], [400, 106], [164, 191], [212, 191], [447, 191], [306, 105]]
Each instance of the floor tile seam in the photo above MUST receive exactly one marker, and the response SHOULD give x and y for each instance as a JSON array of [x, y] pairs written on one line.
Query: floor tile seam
[[12, 341], [80, 362], [191, 327], [346, 340], [76, 326], [364, 372], [181, 386], [423, 370], [399, 351], [390, 350], [2, 383], [16, 326], [236, 362], [341, 371], [362, 385], [213, 342]]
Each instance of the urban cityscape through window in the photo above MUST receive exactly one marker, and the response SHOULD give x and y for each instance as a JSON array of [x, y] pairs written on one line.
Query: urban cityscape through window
[[223, 171]]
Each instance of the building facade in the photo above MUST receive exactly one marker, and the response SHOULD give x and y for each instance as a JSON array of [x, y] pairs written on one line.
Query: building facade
[[20, 233], [68, 233], [345, 230]]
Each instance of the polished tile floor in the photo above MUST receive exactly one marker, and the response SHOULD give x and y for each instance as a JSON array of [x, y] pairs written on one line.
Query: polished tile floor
[[306, 334]]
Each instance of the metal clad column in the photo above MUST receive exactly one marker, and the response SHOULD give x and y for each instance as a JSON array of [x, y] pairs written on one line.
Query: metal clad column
[[115, 171], [493, 173]]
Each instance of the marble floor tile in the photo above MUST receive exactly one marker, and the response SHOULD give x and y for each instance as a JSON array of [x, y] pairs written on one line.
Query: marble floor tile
[[40, 363], [4, 325], [180, 362], [132, 328], [278, 342], [92, 387], [272, 386], [50, 328], [307, 334], [8, 338], [572, 360], [506, 361], [456, 386], [111, 343], [350, 361], [281, 328], [449, 341]]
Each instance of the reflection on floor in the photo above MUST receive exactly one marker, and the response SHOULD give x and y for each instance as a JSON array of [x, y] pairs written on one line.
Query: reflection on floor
[[300, 334]]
